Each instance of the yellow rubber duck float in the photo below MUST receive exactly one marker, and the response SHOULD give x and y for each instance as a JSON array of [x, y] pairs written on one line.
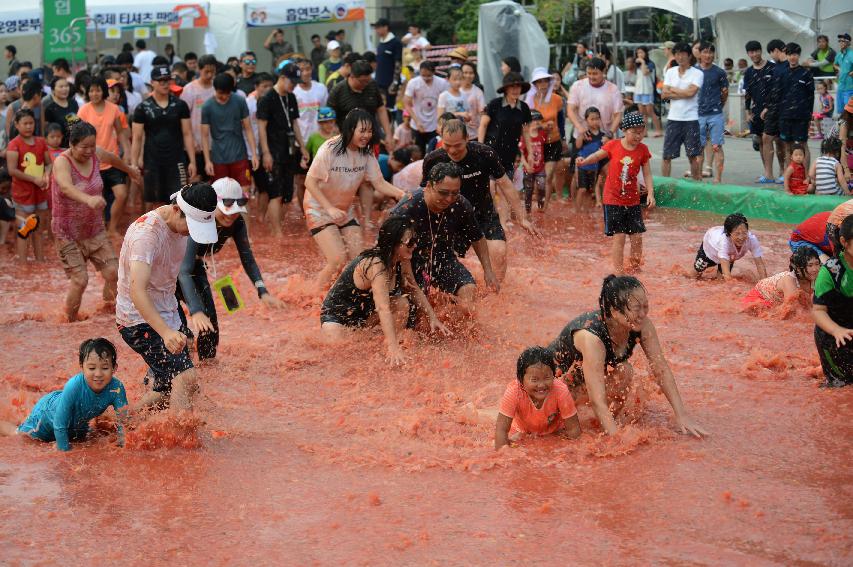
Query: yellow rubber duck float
[[31, 165]]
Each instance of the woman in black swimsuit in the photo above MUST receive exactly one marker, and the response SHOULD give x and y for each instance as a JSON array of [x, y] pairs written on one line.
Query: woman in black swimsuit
[[593, 351], [372, 287]]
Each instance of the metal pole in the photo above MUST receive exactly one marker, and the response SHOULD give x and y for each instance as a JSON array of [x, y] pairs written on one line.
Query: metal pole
[[817, 17], [695, 20]]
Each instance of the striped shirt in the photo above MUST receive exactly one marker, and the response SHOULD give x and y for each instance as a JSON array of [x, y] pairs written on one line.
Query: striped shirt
[[826, 178]]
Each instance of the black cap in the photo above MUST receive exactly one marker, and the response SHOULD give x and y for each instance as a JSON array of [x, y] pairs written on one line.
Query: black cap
[[160, 72], [331, 35], [381, 22], [844, 36], [289, 69]]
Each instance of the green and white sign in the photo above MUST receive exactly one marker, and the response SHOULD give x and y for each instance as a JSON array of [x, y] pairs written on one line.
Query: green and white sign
[[64, 29]]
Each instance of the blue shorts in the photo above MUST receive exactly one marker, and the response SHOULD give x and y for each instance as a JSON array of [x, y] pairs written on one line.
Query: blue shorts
[[679, 132], [643, 98], [712, 127], [30, 209]]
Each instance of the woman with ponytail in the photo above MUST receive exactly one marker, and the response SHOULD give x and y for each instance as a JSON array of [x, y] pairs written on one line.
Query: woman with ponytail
[[593, 352]]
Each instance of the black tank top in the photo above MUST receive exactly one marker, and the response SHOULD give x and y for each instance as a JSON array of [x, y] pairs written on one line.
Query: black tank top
[[346, 301], [564, 347]]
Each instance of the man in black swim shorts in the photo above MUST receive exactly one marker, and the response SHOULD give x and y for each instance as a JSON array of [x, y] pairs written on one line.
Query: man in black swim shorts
[[479, 164], [443, 218]]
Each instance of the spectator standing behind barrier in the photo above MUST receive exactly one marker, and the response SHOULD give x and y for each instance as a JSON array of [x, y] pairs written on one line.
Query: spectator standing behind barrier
[[317, 55], [681, 86], [794, 96], [422, 103], [143, 60], [844, 66], [776, 49], [389, 54], [195, 95], [277, 45], [757, 81], [712, 100], [822, 58]]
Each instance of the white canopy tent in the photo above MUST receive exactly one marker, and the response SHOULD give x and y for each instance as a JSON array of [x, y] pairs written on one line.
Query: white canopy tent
[[737, 21]]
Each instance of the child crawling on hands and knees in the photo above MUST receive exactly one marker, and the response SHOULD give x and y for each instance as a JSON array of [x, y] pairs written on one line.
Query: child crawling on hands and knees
[[64, 415], [535, 403]]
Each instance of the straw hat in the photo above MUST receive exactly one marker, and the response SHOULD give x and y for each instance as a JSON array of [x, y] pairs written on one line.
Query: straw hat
[[458, 53], [513, 78]]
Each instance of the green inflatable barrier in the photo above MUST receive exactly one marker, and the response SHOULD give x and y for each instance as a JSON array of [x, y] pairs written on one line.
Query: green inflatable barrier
[[754, 202]]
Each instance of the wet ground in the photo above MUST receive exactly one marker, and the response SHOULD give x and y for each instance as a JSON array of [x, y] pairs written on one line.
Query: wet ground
[[311, 454]]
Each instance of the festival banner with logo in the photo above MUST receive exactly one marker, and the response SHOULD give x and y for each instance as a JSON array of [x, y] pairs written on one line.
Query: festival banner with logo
[[64, 29], [156, 13], [296, 12]]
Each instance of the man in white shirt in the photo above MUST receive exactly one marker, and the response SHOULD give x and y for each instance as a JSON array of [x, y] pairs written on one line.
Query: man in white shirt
[[422, 103], [143, 60], [415, 38], [681, 86], [310, 95]]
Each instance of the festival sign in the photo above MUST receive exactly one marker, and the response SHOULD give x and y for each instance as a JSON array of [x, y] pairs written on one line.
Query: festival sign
[[300, 12], [64, 29], [178, 16]]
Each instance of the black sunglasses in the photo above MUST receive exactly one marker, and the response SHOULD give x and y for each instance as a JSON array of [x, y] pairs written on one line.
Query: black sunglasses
[[445, 193], [230, 202]]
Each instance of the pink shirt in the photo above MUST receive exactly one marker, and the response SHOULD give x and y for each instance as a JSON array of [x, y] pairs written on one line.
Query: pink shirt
[[73, 220], [151, 241], [606, 98], [195, 95], [338, 176]]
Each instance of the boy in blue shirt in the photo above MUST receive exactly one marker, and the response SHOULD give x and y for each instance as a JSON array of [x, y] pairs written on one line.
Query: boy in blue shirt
[[64, 415], [712, 100]]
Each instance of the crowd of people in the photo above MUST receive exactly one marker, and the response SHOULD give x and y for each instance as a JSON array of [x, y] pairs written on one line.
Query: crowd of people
[[390, 140]]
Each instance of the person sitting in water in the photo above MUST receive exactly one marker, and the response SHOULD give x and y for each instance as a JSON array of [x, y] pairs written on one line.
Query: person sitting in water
[[194, 288], [722, 245], [832, 310], [812, 233], [779, 288], [63, 415], [535, 403], [593, 352], [444, 221], [372, 285]]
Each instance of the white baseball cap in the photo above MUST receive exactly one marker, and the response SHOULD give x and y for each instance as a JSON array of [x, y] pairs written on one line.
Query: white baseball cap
[[228, 189], [332, 45], [200, 223]]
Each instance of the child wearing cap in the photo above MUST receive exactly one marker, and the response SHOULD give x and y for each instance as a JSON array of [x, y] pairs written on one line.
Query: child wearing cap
[[622, 212], [194, 289], [147, 312]]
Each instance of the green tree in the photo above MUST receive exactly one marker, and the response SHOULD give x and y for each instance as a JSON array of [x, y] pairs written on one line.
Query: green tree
[[436, 17]]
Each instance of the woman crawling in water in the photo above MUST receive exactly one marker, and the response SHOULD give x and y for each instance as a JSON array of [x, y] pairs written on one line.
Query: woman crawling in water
[[593, 352], [376, 285]]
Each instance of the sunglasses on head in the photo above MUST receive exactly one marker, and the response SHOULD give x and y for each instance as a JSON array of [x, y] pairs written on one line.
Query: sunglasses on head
[[230, 202]]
